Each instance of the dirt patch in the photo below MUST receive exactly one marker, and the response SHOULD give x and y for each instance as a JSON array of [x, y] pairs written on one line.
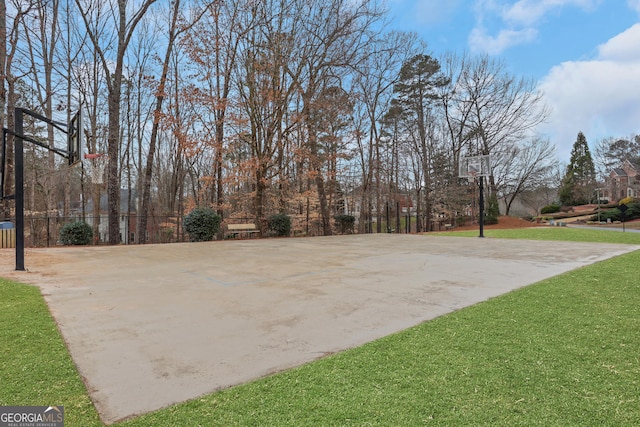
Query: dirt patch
[[39, 261]]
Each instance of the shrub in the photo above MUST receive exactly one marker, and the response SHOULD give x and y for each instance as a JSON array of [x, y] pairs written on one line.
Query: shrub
[[611, 215], [627, 201], [201, 224], [493, 210], [633, 212], [280, 224], [76, 233], [345, 223], [549, 209]]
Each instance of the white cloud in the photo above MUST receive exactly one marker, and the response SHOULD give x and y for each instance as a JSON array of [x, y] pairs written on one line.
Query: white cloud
[[518, 21], [435, 11], [599, 97], [480, 41], [634, 5], [530, 12], [623, 47]]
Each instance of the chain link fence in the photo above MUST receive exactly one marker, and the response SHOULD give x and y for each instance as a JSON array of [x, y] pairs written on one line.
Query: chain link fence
[[44, 231]]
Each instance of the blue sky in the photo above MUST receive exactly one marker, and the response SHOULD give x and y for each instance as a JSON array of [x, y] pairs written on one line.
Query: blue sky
[[584, 54]]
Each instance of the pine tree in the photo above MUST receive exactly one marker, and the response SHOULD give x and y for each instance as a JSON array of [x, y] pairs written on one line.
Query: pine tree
[[416, 90], [493, 210], [579, 181]]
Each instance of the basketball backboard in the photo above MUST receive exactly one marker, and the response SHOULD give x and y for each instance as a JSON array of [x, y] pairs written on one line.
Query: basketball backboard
[[474, 166], [74, 139]]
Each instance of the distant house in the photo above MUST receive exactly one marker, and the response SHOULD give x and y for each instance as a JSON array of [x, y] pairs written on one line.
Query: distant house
[[406, 203], [127, 217], [623, 181]]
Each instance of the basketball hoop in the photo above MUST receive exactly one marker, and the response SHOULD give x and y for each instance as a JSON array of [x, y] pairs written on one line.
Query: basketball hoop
[[95, 164], [474, 167]]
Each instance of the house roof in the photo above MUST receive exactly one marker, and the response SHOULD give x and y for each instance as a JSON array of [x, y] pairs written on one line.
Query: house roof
[[633, 164]]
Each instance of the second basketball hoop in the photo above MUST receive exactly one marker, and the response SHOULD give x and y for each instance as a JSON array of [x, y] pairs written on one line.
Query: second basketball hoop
[[94, 165], [475, 166]]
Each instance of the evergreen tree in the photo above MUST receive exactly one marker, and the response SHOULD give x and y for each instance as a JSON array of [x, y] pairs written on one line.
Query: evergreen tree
[[579, 181], [416, 91], [493, 210]]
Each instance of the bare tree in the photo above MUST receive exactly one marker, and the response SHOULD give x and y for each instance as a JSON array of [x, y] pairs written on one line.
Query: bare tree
[[113, 67], [265, 88], [42, 34], [523, 168], [213, 49], [373, 88], [456, 110], [5, 66], [3, 59], [174, 31], [8, 82], [333, 37], [503, 108], [143, 64], [613, 152]]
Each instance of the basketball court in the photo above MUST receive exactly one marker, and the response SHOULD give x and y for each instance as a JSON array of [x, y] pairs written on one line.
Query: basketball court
[[149, 326]]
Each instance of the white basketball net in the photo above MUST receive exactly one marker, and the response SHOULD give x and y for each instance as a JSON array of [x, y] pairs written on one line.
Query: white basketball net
[[94, 167]]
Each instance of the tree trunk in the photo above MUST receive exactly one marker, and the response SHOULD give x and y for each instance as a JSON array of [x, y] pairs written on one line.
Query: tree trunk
[[260, 193], [113, 150], [125, 29], [153, 140], [319, 179]]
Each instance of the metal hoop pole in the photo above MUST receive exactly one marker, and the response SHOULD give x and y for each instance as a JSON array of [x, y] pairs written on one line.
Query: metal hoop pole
[[481, 205], [19, 184]]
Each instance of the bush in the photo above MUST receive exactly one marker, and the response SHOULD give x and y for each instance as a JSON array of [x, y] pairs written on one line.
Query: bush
[[493, 210], [627, 201], [345, 223], [549, 209], [76, 233], [633, 212], [280, 225], [202, 224]]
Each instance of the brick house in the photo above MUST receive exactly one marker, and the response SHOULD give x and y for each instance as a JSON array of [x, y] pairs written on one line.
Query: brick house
[[623, 181]]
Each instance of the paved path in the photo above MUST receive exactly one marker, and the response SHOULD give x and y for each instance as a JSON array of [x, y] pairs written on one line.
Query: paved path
[[605, 228], [149, 326]]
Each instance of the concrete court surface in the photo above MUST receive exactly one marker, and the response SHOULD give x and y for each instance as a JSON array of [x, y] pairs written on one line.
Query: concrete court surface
[[149, 326]]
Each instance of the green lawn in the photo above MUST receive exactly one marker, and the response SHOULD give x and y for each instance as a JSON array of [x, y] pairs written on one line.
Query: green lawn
[[554, 233], [562, 352]]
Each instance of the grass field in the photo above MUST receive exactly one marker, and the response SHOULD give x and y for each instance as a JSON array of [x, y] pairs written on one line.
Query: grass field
[[595, 235], [561, 352]]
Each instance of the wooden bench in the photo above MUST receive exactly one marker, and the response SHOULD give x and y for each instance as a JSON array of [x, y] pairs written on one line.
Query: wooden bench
[[236, 230]]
